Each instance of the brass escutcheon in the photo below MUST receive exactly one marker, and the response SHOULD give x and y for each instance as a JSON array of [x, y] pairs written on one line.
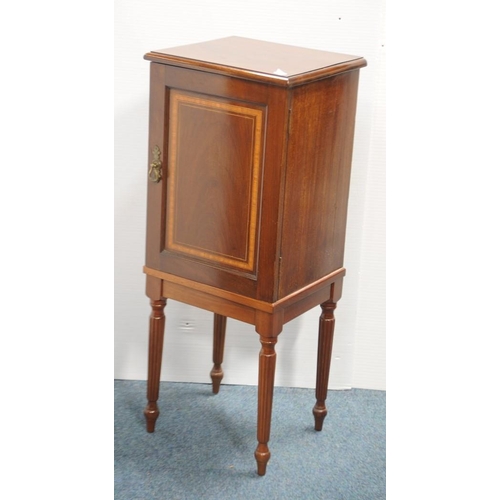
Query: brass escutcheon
[[155, 167]]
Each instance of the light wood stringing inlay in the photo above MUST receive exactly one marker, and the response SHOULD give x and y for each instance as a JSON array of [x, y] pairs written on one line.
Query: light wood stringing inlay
[[177, 98]]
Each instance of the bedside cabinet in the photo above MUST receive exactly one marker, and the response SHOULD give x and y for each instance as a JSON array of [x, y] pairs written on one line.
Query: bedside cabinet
[[250, 147]]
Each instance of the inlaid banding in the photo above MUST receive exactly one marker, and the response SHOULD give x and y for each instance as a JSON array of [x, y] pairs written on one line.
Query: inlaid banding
[[215, 161]]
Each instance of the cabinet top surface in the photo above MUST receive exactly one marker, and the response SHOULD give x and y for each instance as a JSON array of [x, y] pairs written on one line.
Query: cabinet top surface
[[258, 60]]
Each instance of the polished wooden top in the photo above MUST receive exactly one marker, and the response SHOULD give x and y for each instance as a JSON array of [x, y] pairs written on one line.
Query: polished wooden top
[[276, 63]]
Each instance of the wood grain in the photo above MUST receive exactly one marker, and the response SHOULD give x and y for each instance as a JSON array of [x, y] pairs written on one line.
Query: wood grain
[[156, 332], [269, 62], [214, 163], [267, 367], [254, 221], [317, 181], [217, 373], [249, 218], [325, 345], [257, 305]]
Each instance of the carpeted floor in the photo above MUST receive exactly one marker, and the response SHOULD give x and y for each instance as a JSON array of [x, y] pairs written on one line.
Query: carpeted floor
[[203, 445]]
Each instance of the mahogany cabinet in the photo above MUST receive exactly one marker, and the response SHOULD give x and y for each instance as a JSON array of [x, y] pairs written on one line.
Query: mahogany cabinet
[[250, 147]]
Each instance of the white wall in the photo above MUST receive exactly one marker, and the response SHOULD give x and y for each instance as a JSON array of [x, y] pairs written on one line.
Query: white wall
[[352, 27]]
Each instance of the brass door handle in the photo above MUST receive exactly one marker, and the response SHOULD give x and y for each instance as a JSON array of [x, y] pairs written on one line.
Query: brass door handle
[[155, 167]]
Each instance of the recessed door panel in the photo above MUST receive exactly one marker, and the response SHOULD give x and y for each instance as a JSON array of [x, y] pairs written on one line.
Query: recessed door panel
[[214, 180]]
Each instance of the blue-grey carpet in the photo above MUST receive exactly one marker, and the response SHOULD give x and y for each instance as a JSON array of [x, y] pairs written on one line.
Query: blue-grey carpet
[[203, 445]]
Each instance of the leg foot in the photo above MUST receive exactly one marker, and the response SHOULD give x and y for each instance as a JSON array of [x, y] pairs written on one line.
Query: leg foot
[[325, 344], [262, 456], [319, 413], [151, 412], [218, 353], [156, 331]]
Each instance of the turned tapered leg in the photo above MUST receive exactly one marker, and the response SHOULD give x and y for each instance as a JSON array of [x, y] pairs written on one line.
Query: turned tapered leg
[[325, 344], [156, 331], [267, 365], [218, 353]]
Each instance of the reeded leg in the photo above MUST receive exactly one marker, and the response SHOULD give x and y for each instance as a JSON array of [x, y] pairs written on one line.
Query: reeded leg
[[267, 365], [218, 353], [156, 331], [325, 344]]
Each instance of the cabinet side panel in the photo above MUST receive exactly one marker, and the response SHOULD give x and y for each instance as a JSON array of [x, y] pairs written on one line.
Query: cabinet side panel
[[317, 180]]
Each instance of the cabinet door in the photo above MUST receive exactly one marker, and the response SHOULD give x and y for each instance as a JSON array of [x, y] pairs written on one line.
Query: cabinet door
[[205, 214]]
